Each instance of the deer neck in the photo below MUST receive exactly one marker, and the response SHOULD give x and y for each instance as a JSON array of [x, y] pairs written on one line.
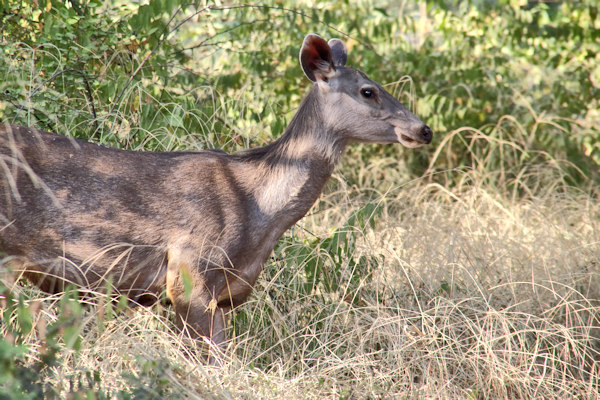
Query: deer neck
[[290, 173]]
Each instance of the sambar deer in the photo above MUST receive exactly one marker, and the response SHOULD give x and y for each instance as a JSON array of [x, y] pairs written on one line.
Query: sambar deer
[[198, 225]]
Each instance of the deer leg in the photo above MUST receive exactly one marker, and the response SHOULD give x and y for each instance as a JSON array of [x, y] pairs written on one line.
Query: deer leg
[[196, 309]]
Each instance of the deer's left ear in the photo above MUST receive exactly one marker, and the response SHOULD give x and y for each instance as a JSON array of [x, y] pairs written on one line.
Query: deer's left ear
[[338, 52], [316, 58]]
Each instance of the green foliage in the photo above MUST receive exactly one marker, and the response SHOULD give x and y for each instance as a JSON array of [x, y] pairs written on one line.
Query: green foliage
[[89, 74], [136, 76], [27, 373], [149, 382], [475, 74], [330, 265], [20, 377]]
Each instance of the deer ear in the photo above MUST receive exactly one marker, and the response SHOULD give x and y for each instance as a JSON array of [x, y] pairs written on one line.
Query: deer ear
[[338, 52], [316, 58]]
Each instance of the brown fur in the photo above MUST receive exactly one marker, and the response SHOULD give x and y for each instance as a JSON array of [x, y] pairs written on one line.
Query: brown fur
[[77, 212]]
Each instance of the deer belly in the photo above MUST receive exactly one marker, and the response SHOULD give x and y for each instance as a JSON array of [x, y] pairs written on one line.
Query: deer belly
[[134, 271]]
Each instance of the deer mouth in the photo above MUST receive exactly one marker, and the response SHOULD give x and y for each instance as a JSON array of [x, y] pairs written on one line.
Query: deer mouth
[[409, 141], [406, 139]]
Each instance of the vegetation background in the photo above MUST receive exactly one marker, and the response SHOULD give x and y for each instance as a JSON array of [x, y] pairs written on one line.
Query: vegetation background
[[467, 269]]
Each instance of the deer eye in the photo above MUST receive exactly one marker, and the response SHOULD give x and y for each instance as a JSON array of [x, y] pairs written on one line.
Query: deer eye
[[367, 93]]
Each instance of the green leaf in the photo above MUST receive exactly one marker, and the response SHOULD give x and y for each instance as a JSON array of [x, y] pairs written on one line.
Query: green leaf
[[188, 283], [24, 318]]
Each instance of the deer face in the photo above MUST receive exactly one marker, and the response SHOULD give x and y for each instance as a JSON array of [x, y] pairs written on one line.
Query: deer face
[[355, 107]]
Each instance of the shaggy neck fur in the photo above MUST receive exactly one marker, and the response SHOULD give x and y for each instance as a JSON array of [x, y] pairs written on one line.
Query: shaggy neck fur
[[291, 172]]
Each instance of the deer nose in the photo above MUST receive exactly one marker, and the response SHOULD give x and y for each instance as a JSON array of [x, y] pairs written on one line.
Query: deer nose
[[426, 134]]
